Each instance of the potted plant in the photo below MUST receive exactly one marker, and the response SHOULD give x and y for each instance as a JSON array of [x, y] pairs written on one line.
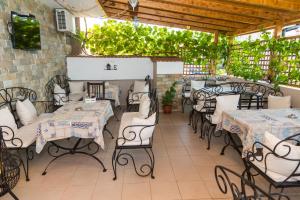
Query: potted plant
[[167, 99]]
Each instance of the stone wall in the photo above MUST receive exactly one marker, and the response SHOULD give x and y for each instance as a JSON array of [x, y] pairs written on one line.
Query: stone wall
[[164, 82], [31, 69]]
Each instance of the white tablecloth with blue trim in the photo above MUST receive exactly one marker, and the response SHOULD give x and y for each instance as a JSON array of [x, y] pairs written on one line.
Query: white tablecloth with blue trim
[[251, 125], [68, 121]]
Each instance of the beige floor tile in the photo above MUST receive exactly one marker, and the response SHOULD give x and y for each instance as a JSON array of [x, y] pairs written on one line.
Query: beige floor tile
[[61, 177], [193, 190], [108, 191], [164, 190], [136, 191], [85, 176], [78, 193]]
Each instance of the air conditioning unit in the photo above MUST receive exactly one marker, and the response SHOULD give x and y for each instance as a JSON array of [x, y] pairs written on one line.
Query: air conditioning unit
[[65, 21]]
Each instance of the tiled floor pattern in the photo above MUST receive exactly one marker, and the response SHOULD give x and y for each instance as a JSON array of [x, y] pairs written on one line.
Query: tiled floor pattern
[[184, 170]]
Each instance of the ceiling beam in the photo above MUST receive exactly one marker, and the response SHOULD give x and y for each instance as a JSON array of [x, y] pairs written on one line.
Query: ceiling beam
[[288, 5], [175, 21], [230, 8], [168, 24], [189, 18], [193, 11]]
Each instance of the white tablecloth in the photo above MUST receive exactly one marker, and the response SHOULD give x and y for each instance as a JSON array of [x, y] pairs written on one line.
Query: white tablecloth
[[66, 122]]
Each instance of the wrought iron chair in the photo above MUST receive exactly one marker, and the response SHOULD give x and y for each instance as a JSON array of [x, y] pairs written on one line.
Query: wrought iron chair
[[243, 188], [277, 161], [133, 97], [186, 94], [9, 163], [25, 134], [136, 136], [58, 99], [97, 89]]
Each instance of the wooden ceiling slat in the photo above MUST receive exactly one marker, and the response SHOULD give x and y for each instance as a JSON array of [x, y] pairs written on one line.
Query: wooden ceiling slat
[[176, 21], [231, 16], [288, 5], [193, 11], [188, 18], [229, 8], [162, 23]]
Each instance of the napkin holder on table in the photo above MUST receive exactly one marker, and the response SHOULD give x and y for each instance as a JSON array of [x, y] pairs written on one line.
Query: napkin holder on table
[[90, 100]]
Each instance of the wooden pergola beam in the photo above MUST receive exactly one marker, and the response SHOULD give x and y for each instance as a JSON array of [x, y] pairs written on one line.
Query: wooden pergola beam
[[185, 17], [194, 11], [168, 24], [222, 7], [287, 5], [172, 20]]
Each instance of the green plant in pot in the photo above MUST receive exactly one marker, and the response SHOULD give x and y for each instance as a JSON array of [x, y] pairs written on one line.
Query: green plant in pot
[[168, 97]]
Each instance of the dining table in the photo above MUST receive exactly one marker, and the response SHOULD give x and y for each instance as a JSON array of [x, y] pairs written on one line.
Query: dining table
[[251, 125], [75, 120]]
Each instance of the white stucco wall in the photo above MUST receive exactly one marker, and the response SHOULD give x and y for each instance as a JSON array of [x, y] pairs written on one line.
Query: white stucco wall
[[93, 68]]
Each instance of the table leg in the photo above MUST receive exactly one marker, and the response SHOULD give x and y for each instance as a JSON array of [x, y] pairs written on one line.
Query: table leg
[[54, 149]]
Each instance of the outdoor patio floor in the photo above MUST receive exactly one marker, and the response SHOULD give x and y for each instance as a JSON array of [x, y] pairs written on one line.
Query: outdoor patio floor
[[184, 170]]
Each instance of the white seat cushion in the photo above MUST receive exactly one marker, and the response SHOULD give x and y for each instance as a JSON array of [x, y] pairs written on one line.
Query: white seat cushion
[[7, 119], [279, 168], [197, 85], [26, 112], [224, 103], [59, 95], [76, 87], [132, 118], [199, 106], [144, 106], [275, 102], [27, 134], [187, 94], [140, 86]]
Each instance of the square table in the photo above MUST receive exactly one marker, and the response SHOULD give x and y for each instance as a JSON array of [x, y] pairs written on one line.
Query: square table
[[251, 125], [75, 119], [66, 122]]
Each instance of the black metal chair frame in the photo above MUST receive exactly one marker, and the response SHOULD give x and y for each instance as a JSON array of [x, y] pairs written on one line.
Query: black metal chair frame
[[10, 164], [245, 189], [62, 81], [256, 154], [133, 97], [186, 88], [122, 158], [10, 96]]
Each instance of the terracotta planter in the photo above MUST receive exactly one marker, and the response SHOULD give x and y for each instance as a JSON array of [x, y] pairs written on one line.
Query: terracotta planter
[[167, 109]]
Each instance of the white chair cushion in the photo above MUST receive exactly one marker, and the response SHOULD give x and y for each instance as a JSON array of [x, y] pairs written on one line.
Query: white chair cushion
[[275, 102], [197, 85], [144, 106], [187, 94], [7, 119], [129, 133], [59, 95], [279, 168], [224, 103], [26, 112], [140, 86], [27, 134], [199, 106], [76, 87]]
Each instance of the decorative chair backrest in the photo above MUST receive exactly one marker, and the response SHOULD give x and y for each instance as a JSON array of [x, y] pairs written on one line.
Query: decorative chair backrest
[[281, 157], [241, 188], [96, 89], [62, 81], [10, 96], [154, 108], [148, 81], [9, 164]]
